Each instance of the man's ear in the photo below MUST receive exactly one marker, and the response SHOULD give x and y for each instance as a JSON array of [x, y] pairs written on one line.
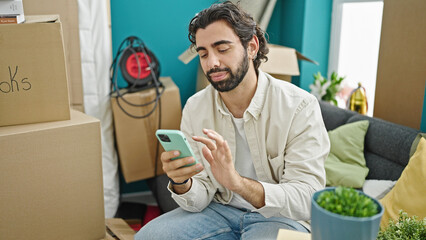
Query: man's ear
[[253, 47]]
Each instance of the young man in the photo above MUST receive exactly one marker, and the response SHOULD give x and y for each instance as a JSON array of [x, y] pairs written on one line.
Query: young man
[[261, 142]]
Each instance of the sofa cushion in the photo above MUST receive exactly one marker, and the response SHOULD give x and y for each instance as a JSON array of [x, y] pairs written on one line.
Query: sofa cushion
[[345, 165], [377, 188], [387, 147], [409, 192], [416, 142]]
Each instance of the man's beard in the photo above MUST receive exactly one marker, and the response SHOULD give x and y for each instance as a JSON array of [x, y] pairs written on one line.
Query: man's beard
[[234, 79]]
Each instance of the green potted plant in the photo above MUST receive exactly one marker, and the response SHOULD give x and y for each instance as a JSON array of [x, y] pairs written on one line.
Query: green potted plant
[[325, 89], [344, 213], [404, 228]]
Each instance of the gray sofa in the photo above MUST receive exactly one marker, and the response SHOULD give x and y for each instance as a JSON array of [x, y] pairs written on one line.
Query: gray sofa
[[386, 149]]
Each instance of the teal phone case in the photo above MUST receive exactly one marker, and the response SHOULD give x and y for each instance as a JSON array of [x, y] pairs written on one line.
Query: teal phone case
[[177, 142]]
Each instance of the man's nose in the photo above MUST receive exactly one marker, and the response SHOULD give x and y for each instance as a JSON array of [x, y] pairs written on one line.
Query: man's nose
[[213, 61]]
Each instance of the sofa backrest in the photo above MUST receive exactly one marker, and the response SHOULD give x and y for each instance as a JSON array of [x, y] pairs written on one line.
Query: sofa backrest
[[386, 147]]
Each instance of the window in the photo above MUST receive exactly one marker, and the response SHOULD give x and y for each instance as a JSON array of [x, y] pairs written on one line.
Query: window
[[354, 45]]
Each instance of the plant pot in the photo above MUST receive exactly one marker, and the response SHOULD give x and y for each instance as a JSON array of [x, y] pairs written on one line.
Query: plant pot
[[326, 225]]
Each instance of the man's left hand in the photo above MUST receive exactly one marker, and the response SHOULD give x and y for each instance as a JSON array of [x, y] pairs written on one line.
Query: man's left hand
[[216, 151]]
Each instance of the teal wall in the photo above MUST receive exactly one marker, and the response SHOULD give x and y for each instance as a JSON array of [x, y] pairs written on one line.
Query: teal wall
[[303, 25], [286, 26], [163, 26], [316, 39]]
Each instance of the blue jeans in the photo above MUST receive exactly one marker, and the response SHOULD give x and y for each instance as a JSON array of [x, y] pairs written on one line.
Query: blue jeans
[[217, 221]]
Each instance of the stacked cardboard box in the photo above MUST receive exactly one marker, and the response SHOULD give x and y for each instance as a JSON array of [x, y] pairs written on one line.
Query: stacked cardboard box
[[33, 79], [51, 181], [68, 10], [135, 137]]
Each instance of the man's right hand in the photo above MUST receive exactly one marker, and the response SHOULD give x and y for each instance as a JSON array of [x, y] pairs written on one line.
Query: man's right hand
[[176, 171]]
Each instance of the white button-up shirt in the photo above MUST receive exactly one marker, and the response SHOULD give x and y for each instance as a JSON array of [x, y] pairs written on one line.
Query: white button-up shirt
[[288, 144]]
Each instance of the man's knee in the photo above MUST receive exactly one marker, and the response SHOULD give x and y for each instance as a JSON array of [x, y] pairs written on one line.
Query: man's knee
[[155, 229], [149, 232]]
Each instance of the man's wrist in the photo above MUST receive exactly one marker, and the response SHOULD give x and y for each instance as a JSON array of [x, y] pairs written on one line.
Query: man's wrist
[[178, 183], [238, 184], [181, 189]]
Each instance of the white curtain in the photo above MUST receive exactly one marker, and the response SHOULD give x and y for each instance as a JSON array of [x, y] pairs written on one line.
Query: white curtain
[[95, 46]]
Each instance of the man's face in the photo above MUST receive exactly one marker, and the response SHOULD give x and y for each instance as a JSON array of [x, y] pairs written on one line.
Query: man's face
[[223, 58]]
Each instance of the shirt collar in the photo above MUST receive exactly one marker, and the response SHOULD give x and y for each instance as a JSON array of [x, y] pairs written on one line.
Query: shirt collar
[[257, 102]]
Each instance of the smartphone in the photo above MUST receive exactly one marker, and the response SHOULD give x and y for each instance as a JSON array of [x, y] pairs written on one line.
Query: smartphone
[[175, 140]]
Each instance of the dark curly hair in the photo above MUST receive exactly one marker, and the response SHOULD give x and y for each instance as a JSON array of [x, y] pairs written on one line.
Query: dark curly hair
[[241, 22]]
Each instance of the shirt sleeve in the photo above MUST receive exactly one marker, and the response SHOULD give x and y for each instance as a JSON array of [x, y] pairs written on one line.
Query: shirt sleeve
[[307, 148], [202, 190]]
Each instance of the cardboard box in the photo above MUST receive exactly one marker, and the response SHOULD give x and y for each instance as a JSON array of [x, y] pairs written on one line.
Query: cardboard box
[[135, 138], [51, 180], [68, 11], [401, 70], [117, 228], [33, 77], [79, 108], [282, 64]]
